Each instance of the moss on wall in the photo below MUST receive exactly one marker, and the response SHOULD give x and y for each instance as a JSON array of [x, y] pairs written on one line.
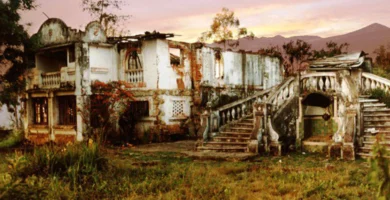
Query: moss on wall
[[284, 122], [319, 127]]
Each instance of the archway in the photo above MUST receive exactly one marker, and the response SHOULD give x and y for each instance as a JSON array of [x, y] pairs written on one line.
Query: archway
[[319, 123]]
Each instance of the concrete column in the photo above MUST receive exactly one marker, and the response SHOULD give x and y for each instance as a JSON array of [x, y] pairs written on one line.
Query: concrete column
[[50, 115], [79, 122]]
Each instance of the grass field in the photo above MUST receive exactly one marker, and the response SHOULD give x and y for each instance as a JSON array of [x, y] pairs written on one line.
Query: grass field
[[164, 175]]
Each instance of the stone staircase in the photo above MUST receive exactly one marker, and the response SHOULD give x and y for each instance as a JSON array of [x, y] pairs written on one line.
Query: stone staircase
[[376, 124], [235, 137]]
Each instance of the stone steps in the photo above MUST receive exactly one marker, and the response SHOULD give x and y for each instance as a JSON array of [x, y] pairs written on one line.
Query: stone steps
[[223, 149], [369, 105], [376, 116], [233, 139]]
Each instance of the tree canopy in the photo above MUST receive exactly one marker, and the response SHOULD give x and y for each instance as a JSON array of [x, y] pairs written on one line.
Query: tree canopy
[[100, 10], [225, 28], [18, 54]]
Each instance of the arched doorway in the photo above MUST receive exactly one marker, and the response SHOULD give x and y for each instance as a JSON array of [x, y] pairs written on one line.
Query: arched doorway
[[319, 123]]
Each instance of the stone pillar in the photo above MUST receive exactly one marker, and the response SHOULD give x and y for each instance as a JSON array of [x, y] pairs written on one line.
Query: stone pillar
[[26, 113], [50, 116], [300, 125], [348, 149], [256, 144], [80, 121]]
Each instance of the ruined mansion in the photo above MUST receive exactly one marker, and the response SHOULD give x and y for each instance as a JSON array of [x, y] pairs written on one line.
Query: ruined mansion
[[234, 101]]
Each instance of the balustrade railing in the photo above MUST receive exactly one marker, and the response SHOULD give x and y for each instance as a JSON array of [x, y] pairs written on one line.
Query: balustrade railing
[[236, 110], [319, 81], [371, 81], [51, 79], [135, 75], [283, 93]]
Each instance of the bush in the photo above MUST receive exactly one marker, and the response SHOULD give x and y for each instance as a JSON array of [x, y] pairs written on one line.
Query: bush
[[381, 95], [13, 139]]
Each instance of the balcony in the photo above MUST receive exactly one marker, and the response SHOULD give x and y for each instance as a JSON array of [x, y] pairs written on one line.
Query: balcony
[[135, 76], [65, 78]]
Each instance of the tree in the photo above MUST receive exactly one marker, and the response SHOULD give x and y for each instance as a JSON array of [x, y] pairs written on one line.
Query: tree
[[99, 9], [296, 52], [18, 54], [382, 58], [332, 49], [223, 28]]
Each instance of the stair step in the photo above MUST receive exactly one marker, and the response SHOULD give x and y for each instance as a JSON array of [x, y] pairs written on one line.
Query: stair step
[[241, 128], [225, 148], [373, 137], [376, 110], [245, 124], [374, 142], [376, 126], [374, 105], [222, 138], [377, 120], [378, 132], [234, 133], [377, 115], [368, 155], [368, 100], [364, 96], [225, 143], [371, 148]]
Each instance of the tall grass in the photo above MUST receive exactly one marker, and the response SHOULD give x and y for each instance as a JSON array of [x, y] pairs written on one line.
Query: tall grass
[[14, 138]]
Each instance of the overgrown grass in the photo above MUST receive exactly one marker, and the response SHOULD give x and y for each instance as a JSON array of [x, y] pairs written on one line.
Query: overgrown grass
[[14, 138], [136, 175]]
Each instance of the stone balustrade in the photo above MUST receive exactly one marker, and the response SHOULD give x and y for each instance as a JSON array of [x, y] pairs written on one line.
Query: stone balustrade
[[51, 79], [319, 81], [283, 93], [135, 76], [371, 82]]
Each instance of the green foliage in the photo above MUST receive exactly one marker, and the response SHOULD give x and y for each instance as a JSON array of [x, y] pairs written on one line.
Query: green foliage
[[332, 49], [296, 52], [381, 71], [79, 166], [19, 50], [273, 51], [224, 28], [382, 58], [13, 139], [380, 174], [167, 175], [381, 95]]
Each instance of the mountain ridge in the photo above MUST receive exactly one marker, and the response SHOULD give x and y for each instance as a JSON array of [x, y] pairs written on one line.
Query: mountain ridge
[[366, 39]]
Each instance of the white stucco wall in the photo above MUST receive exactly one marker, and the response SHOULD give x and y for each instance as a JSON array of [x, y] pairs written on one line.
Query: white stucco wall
[[103, 63], [239, 69], [167, 107], [149, 59], [167, 76], [232, 68], [6, 117]]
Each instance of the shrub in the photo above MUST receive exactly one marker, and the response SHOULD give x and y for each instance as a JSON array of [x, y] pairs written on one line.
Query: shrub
[[13, 139], [381, 95]]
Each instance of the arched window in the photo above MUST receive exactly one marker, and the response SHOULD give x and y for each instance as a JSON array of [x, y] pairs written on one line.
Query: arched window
[[134, 71], [218, 64], [134, 61]]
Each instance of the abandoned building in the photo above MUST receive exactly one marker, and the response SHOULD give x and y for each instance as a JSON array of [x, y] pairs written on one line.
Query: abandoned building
[[237, 101], [168, 88]]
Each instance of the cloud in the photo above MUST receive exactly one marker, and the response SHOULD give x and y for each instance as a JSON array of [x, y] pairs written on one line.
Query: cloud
[[264, 18]]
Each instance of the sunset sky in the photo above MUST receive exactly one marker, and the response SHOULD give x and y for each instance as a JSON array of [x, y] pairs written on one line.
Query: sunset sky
[[263, 17]]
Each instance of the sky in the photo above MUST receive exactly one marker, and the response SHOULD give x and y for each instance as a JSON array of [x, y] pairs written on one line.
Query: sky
[[265, 18]]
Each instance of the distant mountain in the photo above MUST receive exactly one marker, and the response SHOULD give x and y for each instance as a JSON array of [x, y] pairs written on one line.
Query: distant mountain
[[366, 39]]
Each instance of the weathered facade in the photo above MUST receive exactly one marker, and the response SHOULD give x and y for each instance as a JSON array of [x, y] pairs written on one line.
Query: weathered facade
[[170, 88]]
